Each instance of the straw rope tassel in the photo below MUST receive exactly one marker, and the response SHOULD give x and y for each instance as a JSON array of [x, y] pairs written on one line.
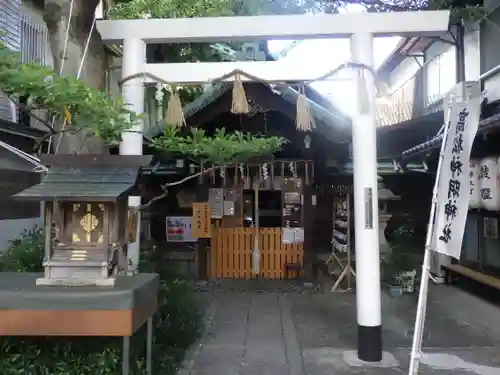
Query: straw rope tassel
[[304, 120], [240, 103], [175, 115]]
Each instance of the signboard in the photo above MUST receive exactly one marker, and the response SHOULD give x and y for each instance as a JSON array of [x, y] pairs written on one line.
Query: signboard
[[454, 183], [216, 202], [368, 208], [292, 236], [489, 191], [179, 229], [202, 220]]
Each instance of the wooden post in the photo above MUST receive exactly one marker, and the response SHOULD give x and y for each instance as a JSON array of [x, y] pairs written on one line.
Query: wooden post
[[256, 248], [49, 213], [203, 245], [308, 235]]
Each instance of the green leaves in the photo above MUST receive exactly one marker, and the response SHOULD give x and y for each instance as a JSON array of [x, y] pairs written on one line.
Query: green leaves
[[461, 10], [25, 253], [86, 109], [170, 9], [220, 149]]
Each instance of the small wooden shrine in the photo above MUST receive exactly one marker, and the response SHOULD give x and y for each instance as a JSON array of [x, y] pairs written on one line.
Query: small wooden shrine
[[86, 215]]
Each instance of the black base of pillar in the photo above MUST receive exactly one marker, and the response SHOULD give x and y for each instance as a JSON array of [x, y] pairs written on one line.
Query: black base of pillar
[[370, 343]]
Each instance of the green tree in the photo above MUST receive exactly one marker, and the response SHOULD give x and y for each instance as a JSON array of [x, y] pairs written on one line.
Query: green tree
[[461, 9], [80, 16]]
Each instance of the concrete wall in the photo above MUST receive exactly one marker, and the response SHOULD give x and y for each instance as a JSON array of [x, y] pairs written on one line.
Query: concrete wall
[[439, 70], [404, 72]]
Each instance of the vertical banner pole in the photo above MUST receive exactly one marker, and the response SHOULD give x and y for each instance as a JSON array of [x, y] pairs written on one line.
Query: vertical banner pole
[[450, 197], [424, 283]]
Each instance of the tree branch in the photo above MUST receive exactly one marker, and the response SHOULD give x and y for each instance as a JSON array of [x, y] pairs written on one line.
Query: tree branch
[[167, 185], [170, 184]]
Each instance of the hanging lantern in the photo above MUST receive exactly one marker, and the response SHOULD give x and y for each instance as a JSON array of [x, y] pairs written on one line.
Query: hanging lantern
[[475, 194], [488, 184]]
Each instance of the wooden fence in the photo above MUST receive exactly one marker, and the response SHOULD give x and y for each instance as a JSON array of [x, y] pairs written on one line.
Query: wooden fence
[[231, 253]]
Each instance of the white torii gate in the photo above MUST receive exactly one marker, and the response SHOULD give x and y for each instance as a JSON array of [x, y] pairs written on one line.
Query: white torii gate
[[361, 28]]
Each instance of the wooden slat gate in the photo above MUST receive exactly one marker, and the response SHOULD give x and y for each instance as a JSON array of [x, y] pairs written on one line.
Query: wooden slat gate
[[231, 253]]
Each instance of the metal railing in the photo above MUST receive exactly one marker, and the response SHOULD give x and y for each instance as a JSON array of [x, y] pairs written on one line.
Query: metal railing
[[412, 99]]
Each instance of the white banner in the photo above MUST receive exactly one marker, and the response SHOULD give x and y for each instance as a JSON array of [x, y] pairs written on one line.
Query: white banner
[[453, 188]]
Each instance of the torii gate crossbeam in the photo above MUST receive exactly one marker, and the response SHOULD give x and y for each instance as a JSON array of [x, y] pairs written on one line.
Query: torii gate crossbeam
[[361, 28], [218, 29]]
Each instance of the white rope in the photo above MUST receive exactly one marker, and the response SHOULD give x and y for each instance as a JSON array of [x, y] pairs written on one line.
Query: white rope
[[39, 167], [65, 49], [78, 74]]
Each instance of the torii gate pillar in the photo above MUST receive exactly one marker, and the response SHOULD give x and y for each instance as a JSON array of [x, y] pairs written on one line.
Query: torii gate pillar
[[134, 59], [364, 148]]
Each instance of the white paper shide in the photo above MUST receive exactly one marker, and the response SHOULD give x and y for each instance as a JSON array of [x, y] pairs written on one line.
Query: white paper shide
[[454, 180]]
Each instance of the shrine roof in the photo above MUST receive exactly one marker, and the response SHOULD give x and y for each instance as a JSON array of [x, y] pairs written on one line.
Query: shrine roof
[[70, 179], [331, 118], [485, 125]]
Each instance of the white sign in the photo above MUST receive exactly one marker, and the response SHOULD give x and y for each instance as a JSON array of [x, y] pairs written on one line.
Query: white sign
[[453, 184], [475, 197], [488, 184], [179, 229], [292, 236]]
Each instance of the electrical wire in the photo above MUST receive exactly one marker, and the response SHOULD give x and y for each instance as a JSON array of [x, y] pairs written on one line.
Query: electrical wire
[[39, 167]]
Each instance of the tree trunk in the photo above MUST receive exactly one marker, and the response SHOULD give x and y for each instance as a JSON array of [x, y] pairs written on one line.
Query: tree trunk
[[56, 16]]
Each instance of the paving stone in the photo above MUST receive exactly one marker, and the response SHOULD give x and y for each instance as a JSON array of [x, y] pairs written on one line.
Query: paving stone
[[271, 331]]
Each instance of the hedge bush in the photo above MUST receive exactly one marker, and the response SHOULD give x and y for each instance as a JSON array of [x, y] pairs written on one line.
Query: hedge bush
[[177, 324]]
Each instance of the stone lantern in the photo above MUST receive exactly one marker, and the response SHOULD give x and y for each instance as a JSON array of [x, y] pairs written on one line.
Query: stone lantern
[[384, 196]]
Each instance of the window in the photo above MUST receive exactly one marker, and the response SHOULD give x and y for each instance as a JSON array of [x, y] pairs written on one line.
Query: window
[[34, 38], [34, 48], [9, 23], [9, 30]]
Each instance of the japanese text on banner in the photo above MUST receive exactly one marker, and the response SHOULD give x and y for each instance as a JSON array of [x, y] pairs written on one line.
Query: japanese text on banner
[[453, 189]]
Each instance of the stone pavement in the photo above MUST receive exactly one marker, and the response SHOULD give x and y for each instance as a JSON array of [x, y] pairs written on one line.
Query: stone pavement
[[252, 333]]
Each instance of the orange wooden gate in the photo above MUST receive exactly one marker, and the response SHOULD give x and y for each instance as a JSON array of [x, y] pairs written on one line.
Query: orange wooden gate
[[231, 253]]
